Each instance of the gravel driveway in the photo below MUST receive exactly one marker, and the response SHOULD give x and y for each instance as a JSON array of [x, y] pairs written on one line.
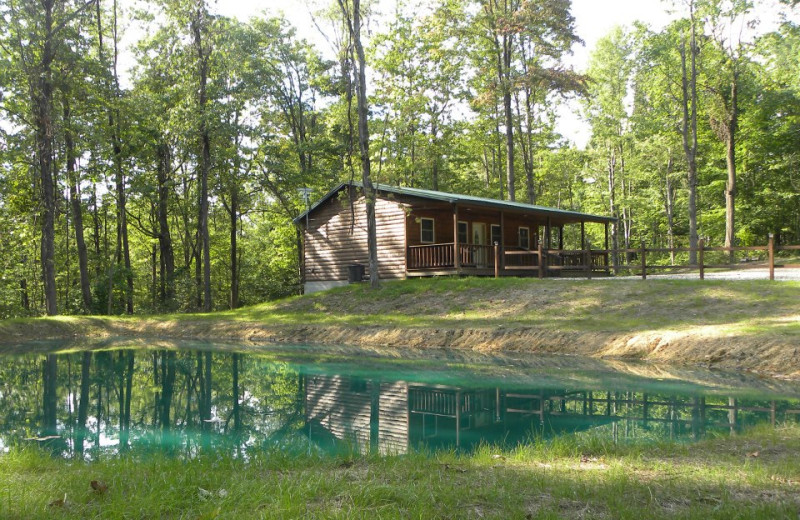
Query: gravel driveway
[[781, 274]]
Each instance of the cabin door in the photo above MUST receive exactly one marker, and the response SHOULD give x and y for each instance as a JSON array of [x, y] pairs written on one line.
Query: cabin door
[[479, 239]]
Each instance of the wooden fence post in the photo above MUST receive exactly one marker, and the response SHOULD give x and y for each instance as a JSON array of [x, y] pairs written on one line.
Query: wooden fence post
[[771, 256], [700, 247], [643, 253], [541, 261], [496, 260]]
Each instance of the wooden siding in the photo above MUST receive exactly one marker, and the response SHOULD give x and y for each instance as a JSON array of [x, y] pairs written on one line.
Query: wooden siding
[[330, 246], [443, 224], [343, 406], [443, 217]]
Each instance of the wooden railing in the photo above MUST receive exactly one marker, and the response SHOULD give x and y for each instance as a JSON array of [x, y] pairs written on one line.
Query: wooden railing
[[643, 254], [431, 256], [520, 259], [478, 256], [548, 262]]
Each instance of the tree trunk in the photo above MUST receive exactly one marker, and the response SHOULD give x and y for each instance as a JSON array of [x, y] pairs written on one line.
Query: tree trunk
[[199, 26], [689, 131], [166, 253], [669, 204], [730, 189], [41, 79], [363, 144], [77, 213], [612, 209], [234, 252], [505, 73]]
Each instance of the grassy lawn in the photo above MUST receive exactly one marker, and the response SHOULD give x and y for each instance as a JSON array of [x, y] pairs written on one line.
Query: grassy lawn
[[571, 305], [754, 475]]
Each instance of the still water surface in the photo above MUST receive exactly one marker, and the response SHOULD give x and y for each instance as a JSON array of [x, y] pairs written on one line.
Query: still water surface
[[181, 398]]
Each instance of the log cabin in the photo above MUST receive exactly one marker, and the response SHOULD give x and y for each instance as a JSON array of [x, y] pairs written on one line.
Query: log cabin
[[433, 233]]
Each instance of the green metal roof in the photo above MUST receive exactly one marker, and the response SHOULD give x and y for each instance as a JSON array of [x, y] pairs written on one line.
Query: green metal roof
[[455, 198]]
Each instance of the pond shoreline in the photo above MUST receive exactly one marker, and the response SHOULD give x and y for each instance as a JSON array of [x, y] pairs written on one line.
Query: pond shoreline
[[731, 325], [707, 347]]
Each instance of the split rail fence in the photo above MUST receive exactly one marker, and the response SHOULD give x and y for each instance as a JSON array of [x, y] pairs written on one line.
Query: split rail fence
[[589, 262]]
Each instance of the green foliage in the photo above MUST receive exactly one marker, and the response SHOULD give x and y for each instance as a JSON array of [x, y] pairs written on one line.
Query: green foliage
[[278, 119]]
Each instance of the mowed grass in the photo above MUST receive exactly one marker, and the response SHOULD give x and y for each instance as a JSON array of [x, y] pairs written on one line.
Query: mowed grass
[[615, 306], [754, 475], [568, 305]]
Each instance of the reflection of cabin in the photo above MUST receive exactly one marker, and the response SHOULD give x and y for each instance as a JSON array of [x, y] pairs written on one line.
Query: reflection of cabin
[[395, 416], [425, 233]]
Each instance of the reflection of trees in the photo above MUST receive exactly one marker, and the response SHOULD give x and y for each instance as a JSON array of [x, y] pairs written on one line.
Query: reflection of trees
[[83, 404], [49, 375]]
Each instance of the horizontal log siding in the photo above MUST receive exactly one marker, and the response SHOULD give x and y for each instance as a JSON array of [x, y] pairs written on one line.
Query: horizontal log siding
[[442, 225], [511, 232], [331, 247]]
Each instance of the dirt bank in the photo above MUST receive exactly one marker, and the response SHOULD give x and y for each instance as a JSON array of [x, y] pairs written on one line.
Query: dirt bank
[[703, 346]]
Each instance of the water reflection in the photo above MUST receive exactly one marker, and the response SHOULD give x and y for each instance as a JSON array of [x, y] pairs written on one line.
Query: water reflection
[[91, 404]]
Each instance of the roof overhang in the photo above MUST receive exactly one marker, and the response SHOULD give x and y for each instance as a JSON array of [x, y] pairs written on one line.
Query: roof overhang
[[465, 200]]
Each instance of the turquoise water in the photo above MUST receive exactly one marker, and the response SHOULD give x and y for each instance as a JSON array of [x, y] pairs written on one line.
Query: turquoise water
[[90, 401]]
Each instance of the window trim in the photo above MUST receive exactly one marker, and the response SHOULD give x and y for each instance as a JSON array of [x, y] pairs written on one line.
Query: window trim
[[528, 237], [422, 231], [466, 231], [499, 233]]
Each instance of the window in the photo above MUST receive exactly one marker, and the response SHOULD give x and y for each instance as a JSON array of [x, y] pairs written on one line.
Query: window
[[463, 232], [524, 238], [497, 238], [426, 231]]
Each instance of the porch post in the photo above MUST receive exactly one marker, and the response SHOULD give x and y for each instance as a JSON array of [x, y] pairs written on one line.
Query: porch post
[[456, 252], [606, 254], [502, 240], [583, 235], [561, 236], [547, 236]]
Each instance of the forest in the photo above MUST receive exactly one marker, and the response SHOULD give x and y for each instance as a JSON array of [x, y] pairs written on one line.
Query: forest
[[171, 187]]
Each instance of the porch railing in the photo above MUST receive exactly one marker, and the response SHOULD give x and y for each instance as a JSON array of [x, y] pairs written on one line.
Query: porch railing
[[431, 256], [442, 256]]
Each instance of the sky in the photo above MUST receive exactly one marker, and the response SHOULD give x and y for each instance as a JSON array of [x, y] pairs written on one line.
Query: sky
[[593, 19]]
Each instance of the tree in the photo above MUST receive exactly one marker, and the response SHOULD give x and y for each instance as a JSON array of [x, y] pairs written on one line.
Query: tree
[[526, 40], [689, 124], [351, 13], [724, 18], [610, 70]]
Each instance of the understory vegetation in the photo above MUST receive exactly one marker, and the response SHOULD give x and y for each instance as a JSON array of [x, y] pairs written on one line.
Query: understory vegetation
[[159, 172], [753, 475]]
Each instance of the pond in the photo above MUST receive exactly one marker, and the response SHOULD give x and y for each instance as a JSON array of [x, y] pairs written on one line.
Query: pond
[[92, 401]]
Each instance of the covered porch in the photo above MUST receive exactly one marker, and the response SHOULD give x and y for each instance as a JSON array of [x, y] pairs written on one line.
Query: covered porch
[[513, 240]]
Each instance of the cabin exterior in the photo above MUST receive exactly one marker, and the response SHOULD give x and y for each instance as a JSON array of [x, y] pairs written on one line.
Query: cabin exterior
[[433, 233]]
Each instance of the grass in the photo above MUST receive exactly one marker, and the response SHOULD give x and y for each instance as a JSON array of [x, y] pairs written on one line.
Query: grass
[[754, 475], [566, 305]]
